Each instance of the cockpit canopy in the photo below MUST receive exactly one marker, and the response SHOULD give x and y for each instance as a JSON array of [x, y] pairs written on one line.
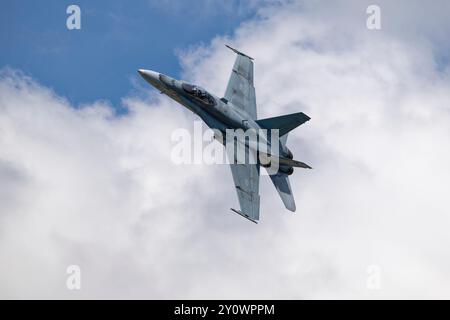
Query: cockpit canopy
[[199, 93]]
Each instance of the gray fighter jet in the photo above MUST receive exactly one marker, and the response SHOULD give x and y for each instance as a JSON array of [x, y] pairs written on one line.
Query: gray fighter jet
[[237, 110]]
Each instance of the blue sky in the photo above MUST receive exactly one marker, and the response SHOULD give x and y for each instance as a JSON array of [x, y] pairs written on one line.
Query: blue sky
[[116, 38]]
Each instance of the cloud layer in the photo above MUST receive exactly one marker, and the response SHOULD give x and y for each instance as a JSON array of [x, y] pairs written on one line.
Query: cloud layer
[[83, 186]]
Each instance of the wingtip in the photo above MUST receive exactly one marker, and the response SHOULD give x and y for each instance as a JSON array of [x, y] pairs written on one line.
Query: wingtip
[[244, 215], [238, 52]]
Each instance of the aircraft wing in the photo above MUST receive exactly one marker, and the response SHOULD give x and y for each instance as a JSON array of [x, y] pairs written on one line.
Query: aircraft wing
[[246, 180], [240, 90]]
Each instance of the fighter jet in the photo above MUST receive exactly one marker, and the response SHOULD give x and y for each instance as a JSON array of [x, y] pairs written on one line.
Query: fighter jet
[[237, 110]]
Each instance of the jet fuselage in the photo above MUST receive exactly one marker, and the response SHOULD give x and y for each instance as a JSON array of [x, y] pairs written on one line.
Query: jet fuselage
[[217, 113]]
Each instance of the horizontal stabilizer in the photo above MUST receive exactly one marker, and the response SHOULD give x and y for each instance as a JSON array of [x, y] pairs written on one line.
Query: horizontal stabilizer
[[283, 186], [284, 123]]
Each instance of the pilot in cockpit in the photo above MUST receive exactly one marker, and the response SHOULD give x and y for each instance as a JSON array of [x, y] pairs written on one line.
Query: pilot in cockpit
[[199, 93]]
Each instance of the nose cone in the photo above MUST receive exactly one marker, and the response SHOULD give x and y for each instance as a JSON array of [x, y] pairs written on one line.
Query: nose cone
[[150, 76]]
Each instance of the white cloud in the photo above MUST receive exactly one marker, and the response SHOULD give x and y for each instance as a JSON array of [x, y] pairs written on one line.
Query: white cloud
[[81, 186]]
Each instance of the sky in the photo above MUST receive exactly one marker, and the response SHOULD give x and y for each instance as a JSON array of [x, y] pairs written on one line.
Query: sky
[[86, 185], [100, 60]]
